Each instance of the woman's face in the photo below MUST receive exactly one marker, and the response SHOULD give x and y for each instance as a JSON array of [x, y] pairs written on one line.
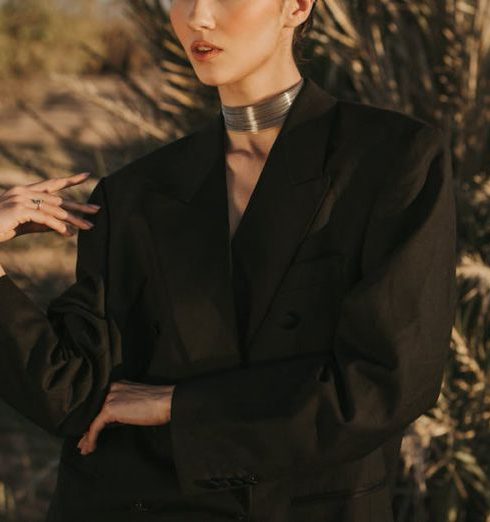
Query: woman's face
[[253, 35]]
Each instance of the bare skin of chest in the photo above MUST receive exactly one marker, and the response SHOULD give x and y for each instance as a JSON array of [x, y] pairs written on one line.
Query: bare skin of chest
[[242, 174]]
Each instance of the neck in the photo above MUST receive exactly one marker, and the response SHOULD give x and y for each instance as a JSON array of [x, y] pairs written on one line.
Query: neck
[[261, 115], [250, 146], [257, 141], [259, 85]]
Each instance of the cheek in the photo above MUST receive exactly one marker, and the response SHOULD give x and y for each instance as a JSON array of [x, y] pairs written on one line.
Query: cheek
[[176, 16], [253, 27], [248, 30]]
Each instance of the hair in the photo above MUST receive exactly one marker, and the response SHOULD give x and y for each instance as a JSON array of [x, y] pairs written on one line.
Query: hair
[[300, 35]]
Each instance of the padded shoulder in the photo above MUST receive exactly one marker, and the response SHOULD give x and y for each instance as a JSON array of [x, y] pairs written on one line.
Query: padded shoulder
[[393, 147], [125, 184], [386, 121]]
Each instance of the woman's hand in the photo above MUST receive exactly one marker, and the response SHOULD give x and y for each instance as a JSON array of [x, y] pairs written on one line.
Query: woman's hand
[[130, 403], [19, 214]]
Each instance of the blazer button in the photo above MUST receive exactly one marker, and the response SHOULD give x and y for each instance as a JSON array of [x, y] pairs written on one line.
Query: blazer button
[[290, 320], [139, 506], [252, 478]]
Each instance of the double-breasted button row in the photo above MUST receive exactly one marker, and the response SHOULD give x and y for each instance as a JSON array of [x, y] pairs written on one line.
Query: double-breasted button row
[[225, 482]]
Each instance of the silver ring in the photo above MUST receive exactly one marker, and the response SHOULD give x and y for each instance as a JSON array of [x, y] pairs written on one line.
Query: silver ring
[[37, 202]]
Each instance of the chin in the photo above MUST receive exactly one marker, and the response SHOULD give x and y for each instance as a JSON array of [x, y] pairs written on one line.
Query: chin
[[212, 80], [209, 82]]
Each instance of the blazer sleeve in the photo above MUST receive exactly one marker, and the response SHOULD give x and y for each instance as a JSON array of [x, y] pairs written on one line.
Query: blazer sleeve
[[54, 365], [383, 370]]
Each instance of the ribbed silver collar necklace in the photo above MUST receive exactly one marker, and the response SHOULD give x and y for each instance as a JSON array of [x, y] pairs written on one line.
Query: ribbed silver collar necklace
[[262, 115]]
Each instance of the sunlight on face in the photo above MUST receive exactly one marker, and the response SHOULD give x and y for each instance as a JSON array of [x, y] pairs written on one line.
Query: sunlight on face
[[251, 34]]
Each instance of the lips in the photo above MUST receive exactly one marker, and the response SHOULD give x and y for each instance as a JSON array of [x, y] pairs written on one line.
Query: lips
[[203, 43], [205, 56]]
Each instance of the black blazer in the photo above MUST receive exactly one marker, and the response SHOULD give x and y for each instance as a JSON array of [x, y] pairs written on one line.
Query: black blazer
[[348, 250]]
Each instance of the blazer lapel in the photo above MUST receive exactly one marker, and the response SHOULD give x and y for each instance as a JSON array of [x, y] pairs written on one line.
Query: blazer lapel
[[187, 211], [284, 203]]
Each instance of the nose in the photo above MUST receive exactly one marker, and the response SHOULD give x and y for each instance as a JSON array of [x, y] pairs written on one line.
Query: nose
[[200, 15]]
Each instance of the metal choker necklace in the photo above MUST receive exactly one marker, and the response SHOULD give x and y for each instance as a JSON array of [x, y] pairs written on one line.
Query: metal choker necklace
[[262, 115]]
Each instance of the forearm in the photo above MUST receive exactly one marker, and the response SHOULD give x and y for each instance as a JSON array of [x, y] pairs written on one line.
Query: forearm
[[50, 371], [382, 369], [55, 365]]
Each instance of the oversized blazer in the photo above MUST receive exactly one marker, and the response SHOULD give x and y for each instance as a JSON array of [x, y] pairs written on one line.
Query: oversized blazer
[[347, 249]]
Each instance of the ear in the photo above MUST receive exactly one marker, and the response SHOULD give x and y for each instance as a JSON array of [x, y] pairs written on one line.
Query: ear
[[297, 11]]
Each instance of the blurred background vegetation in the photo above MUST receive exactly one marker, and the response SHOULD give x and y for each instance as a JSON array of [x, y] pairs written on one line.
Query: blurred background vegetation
[[92, 84]]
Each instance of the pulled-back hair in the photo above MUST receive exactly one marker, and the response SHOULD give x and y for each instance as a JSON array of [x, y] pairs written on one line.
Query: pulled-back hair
[[300, 33]]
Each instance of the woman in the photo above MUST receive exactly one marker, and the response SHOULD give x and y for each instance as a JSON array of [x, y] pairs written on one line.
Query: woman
[[261, 307]]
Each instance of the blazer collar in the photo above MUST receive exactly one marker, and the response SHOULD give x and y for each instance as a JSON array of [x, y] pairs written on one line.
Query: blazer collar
[[187, 211], [205, 147]]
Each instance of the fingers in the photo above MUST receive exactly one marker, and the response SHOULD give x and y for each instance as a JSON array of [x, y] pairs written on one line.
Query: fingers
[[57, 200], [47, 187], [55, 184], [88, 443], [23, 216], [46, 219], [128, 402], [58, 212], [49, 212], [81, 442], [79, 207]]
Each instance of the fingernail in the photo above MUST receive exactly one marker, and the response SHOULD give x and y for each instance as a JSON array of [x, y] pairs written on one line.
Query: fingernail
[[85, 174], [94, 206]]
